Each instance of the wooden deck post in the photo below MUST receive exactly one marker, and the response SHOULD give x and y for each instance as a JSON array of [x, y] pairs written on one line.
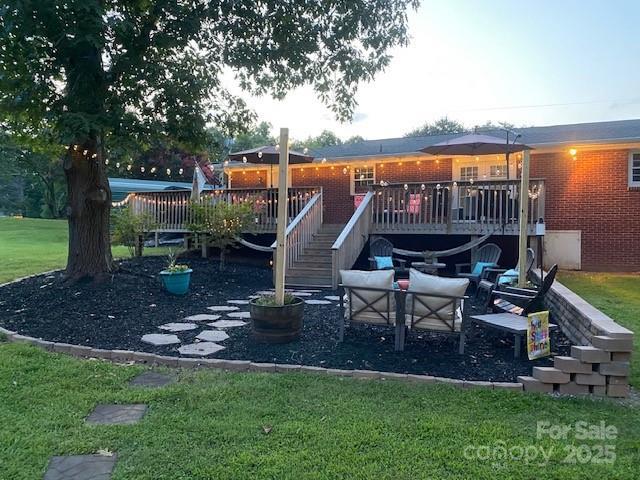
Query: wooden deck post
[[282, 216], [524, 220]]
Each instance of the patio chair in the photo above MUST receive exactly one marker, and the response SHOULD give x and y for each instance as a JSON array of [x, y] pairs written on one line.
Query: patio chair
[[501, 276], [435, 304], [381, 247], [522, 301], [369, 298], [487, 256]]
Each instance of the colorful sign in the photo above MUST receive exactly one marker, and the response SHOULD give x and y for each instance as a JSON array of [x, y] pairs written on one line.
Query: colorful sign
[[538, 340]]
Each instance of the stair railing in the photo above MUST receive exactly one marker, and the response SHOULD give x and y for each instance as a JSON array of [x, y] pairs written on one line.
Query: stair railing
[[352, 239], [301, 230]]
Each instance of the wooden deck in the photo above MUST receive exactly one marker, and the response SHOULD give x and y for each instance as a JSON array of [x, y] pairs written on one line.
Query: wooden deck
[[316, 253], [170, 208], [454, 208]]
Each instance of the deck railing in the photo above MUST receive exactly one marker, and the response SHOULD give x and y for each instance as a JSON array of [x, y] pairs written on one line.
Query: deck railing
[[301, 230], [352, 239], [170, 210], [464, 207]]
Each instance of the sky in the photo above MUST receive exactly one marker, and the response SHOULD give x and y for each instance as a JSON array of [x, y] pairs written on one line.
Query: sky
[[530, 63]]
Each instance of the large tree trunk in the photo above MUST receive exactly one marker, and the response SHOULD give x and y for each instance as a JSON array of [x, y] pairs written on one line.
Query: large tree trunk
[[89, 198]]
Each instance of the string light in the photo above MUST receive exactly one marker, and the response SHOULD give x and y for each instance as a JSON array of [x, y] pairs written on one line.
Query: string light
[[142, 169], [324, 160], [180, 171], [94, 155], [84, 152], [129, 167], [259, 155], [168, 171], [153, 169], [106, 161], [117, 164], [244, 159]]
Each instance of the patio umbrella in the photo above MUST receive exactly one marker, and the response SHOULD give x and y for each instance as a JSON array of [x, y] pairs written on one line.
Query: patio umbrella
[[476, 144], [268, 155]]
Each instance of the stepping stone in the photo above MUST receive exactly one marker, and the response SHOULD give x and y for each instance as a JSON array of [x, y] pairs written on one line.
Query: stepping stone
[[151, 379], [202, 317], [212, 336], [318, 302], [239, 315], [80, 467], [158, 339], [178, 327], [301, 294], [227, 323], [223, 308], [335, 298], [201, 349], [265, 292], [310, 291], [238, 302], [117, 414], [254, 296]]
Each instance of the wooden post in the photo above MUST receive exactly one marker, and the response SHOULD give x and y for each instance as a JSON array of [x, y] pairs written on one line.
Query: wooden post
[[281, 231], [524, 211]]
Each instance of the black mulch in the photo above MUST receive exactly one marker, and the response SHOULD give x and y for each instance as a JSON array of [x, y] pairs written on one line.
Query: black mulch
[[117, 313]]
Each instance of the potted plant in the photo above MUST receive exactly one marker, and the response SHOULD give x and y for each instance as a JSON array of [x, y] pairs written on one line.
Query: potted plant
[[273, 323], [175, 276]]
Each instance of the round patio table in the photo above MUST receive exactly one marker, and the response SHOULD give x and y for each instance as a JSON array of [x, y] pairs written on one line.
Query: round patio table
[[428, 267]]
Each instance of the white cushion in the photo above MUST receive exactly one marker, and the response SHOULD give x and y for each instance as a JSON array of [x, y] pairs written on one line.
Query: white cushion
[[358, 281], [420, 285]]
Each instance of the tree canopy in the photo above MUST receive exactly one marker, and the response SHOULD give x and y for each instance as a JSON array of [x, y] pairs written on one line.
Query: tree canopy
[[111, 77], [441, 126]]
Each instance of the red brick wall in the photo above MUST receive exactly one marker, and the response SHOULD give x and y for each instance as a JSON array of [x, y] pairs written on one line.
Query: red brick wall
[[250, 179], [591, 194], [338, 202]]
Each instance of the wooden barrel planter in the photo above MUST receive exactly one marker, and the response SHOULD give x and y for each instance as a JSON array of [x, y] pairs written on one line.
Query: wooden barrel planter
[[276, 324]]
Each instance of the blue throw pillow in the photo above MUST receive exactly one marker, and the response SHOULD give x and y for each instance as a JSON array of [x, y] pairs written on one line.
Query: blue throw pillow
[[509, 277], [384, 262], [480, 266]]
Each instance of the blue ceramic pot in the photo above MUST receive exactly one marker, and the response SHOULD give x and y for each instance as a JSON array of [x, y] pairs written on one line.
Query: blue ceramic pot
[[176, 283]]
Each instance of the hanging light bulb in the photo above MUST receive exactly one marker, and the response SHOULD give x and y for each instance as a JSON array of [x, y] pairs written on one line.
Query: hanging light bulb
[[106, 161], [344, 170], [244, 159], [180, 171], [406, 187], [422, 187], [305, 150], [142, 169], [75, 147], [94, 155], [153, 169], [324, 160], [129, 167], [438, 186], [168, 171], [259, 154], [117, 164]]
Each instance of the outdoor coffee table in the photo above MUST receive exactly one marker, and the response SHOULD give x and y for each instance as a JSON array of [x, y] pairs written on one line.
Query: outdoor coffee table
[[507, 322]]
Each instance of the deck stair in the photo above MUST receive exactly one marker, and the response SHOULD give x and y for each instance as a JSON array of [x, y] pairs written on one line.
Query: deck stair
[[313, 268]]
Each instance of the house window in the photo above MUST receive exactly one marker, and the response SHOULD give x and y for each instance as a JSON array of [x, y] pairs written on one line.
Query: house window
[[634, 169], [498, 171], [468, 173], [362, 178]]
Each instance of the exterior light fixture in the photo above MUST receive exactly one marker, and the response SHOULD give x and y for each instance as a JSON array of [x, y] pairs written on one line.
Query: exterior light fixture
[[572, 152]]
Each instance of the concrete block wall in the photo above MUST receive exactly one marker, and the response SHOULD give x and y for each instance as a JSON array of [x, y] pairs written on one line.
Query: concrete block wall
[[599, 364]]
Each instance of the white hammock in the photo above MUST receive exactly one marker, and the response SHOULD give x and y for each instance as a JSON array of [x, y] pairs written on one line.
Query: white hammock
[[428, 254], [260, 248]]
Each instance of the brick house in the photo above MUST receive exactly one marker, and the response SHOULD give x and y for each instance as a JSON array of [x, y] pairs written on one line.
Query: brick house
[[585, 185]]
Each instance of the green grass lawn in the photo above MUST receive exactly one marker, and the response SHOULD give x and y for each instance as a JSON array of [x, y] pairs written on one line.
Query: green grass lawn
[[210, 426], [617, 295], [33, 245]]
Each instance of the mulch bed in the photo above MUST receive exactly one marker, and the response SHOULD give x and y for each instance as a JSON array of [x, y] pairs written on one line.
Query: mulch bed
[[117, 313]]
